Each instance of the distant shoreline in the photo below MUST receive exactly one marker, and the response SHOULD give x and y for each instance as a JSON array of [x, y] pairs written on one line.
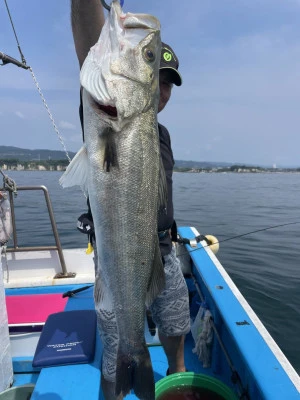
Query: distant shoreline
[[15, 158], [240, 171], [196, 167], [230, 170]]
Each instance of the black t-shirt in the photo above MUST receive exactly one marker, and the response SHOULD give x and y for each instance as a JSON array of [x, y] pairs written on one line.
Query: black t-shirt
[[165, 221]]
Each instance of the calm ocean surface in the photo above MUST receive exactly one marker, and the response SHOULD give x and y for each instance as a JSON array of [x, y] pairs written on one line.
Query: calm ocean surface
[[265, 265]]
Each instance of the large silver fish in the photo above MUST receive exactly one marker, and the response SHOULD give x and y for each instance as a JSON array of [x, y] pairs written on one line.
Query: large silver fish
[[121, 169]]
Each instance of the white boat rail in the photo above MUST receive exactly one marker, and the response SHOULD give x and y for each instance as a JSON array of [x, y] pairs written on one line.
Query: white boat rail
[[15, 248]]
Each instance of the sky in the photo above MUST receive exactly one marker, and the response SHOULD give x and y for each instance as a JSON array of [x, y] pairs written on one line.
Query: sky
[[239, 59]]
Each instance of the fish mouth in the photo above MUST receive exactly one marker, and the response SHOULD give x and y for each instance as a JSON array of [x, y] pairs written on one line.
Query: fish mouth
[[107, 109], [111, 111]]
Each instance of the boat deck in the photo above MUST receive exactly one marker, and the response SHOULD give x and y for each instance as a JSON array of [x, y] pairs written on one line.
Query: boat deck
[[244, 355], [83, 380]]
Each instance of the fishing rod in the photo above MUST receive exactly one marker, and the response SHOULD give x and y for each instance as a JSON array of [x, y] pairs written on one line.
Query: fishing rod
[[71, 293], [209, 239], [211, 242]]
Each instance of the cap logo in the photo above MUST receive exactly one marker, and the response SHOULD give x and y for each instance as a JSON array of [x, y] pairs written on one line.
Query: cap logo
[[167, 56]]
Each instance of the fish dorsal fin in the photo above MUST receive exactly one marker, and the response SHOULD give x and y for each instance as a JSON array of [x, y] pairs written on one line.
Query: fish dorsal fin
[[157, 280], [77, 171], [162, 188]]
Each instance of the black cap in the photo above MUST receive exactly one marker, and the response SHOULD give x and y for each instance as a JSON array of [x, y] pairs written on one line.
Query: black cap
[[168, 60]]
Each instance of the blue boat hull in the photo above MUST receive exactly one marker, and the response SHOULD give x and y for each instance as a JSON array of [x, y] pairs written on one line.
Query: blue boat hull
[[243, 354]]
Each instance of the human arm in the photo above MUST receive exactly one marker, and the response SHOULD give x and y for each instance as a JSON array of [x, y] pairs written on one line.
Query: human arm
[[87, 19]]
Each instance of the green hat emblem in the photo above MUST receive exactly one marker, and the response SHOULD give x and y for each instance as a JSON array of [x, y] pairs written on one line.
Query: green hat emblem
[[167, 56]]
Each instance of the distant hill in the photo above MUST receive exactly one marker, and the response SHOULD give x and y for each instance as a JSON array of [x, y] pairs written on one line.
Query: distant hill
[[50, 156], [9, 152], [201, 164]]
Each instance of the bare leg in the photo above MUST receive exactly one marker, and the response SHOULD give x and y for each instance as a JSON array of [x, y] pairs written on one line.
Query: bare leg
[[174, 349], [108, 389]]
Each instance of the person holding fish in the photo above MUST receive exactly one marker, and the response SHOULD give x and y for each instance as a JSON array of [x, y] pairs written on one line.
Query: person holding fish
[[127, 78]]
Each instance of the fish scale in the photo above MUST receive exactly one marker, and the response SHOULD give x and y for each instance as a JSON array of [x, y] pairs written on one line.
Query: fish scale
[[121, 170]]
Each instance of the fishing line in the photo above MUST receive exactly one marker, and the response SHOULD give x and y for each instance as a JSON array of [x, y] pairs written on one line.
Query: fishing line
[[182, 240]]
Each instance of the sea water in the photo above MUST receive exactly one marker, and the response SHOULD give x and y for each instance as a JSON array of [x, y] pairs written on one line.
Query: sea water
[[264, 265]]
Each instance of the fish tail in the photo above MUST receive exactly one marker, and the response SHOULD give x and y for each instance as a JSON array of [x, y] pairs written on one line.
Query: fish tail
[[134, 371]]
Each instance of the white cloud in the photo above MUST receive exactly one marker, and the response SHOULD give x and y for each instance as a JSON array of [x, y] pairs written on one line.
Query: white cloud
[[67, 125], [19, 114], [77, 139], [217, 138]]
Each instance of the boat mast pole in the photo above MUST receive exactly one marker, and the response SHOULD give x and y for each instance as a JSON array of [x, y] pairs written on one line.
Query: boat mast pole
[[7, 59]]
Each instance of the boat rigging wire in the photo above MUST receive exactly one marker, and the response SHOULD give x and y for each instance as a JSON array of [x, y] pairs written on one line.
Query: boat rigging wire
[[7, 59], [13, 27]]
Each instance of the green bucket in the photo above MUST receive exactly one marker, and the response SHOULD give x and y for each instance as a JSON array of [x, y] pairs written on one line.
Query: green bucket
[[17, 393], [190, 379]]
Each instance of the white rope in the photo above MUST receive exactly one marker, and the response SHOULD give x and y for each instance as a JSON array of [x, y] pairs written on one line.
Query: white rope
[[49, 113], [4, 254], [8, 183]]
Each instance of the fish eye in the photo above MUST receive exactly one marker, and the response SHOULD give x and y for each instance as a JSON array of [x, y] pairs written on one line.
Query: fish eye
[[149, 55]]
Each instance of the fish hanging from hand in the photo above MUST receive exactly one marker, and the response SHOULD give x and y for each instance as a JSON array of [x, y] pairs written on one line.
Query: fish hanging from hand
[[121, 170]]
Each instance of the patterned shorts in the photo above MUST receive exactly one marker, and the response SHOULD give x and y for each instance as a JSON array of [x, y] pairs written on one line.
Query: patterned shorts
[[170, 312]]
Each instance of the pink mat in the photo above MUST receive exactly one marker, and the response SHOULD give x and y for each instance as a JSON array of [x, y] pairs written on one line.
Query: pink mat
[[35, 308]]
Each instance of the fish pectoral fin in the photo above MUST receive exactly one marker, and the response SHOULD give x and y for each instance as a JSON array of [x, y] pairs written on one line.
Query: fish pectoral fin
[[77, 171], [157, 280], [162, 188], [110, 152]]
